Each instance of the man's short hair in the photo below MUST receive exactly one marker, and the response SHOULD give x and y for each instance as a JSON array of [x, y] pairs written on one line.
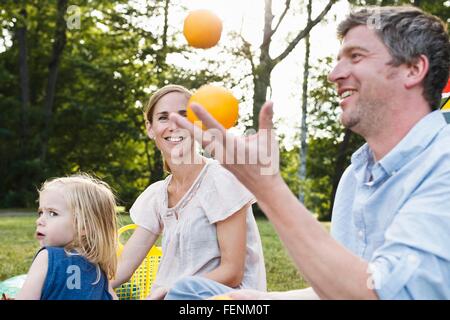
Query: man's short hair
[[408, 32]]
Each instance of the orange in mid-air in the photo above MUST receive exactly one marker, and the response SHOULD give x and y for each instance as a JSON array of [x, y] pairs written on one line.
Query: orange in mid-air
[[218, 101], [202, 29]]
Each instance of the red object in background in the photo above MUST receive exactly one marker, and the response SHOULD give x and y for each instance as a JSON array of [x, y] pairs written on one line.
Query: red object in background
[[447, 87]]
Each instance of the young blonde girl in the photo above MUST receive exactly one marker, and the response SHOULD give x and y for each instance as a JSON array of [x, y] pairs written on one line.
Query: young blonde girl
[[77, 229]]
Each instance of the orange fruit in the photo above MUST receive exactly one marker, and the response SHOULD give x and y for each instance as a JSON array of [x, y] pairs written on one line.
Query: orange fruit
[[218, 101], [202, 29]]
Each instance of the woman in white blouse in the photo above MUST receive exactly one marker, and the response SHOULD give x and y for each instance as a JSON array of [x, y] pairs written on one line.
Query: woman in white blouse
[[202, 211]]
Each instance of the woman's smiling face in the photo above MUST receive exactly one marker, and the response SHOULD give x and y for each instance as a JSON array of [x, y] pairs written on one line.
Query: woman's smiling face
[[169, 138]]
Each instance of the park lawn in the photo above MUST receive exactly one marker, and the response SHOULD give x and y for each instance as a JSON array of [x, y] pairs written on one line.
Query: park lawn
[[18, 246]]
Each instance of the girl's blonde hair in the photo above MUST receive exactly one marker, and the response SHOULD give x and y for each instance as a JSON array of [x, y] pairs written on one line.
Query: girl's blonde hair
[[93, 206], [155, 97]]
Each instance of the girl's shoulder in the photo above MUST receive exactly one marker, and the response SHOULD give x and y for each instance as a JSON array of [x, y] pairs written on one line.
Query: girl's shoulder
[[51, 252], [71, 275], [42, 255], [58, 254]]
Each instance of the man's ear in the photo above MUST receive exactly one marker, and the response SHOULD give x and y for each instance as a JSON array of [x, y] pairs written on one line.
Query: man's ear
[[149, 129], [417, 71]]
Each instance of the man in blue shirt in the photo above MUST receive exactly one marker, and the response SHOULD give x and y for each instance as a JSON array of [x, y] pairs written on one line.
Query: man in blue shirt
[[390, 233]]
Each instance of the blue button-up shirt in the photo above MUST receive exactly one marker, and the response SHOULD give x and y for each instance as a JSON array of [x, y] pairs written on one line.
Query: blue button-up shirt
[[395, 213]]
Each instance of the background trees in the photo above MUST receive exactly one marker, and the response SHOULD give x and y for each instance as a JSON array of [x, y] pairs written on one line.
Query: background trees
[[70, 98], [71, 93]]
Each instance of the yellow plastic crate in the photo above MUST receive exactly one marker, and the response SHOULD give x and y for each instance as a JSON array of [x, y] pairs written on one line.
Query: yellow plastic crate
[[139, 286]]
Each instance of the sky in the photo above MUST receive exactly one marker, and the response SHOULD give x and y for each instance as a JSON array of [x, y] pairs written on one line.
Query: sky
[[246, 17]]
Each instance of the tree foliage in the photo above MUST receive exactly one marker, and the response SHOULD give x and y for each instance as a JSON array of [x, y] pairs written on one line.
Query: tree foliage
[[106, 71], [435, 7]]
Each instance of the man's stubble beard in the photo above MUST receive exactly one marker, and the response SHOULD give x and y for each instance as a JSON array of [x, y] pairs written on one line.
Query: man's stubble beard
[[366, 119]]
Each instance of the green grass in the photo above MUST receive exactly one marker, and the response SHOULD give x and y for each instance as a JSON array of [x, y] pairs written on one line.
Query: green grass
[[18, 246]]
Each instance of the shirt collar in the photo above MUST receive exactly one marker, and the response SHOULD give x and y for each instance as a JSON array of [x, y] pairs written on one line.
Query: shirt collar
[[361, 160], [417, 139]]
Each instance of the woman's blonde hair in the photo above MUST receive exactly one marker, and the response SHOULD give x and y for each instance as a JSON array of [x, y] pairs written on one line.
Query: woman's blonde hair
[[155, 97], [93, 206], [158, 94]]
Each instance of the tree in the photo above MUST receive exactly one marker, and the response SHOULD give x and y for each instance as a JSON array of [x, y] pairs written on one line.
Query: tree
[[263, 64], [436, 7], [86, 87], [21, 35], [157, 172], [59, 42], [303, 125], [329, 144]]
